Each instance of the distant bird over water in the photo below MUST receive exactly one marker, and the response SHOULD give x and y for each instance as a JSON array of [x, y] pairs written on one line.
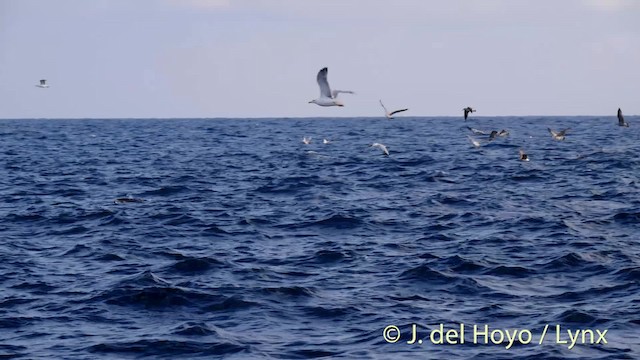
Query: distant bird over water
[[388, 114], [306, 140], [621, 121], [43, 84], [381, 147], [326, 141], [327, 97], [523, 156], [560, 135], [467, 110]]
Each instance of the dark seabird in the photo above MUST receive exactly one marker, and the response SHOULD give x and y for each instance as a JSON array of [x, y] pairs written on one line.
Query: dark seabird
[[558, 135], [43, 84], [621, 121], [493, 135], [523, 156], [388, 114], [467, 110]]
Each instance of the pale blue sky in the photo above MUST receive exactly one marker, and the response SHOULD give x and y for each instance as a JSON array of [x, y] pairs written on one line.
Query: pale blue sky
[[259, 58]]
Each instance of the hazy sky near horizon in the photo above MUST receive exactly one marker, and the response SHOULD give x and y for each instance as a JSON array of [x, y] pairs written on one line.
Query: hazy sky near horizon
[[259, 58]]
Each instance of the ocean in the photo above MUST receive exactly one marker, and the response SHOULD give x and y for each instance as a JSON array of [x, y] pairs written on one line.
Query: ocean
[[245, 243]]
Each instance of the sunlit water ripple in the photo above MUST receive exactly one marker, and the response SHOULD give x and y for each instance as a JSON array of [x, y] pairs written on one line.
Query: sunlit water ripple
[[250, 244]]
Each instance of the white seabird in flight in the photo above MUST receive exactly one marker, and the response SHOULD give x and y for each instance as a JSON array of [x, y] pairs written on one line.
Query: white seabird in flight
[[43, 84], [560, 135], [381, 147], [327, 97], [306, 140], [388, 114]]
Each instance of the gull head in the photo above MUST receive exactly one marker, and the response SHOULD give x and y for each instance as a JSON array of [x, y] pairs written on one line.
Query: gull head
[[312, 101], [338, 102]]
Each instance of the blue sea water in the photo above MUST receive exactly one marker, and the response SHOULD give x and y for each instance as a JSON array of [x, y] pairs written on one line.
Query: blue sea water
[[250, 244]]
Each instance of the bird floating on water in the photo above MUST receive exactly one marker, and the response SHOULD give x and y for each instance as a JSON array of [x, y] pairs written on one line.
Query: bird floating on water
[[621, 121], [467, 110], [495, 133], [477, 132], [306, 140], [560, 135], [326, 141], [523, 156], [388, 114], [381, 147], [43, 84], [327, 97]]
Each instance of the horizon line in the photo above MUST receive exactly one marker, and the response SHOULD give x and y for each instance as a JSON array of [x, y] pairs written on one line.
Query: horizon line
[[304, 117]]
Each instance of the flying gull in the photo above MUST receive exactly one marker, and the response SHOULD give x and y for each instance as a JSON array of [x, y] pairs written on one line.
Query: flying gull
[[381, 147], [621, 121], [306, 140], [327, 97], [43, 84], [560, 135], [326, 141], [467, 110], [523, 156], [388, 114]]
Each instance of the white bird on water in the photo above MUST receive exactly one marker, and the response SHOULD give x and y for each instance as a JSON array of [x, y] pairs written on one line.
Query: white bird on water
[[326, 141], [388, 114], [475, 142], [306, 140], [381, 147], [478, 132], [43, 84], [327, 97]]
